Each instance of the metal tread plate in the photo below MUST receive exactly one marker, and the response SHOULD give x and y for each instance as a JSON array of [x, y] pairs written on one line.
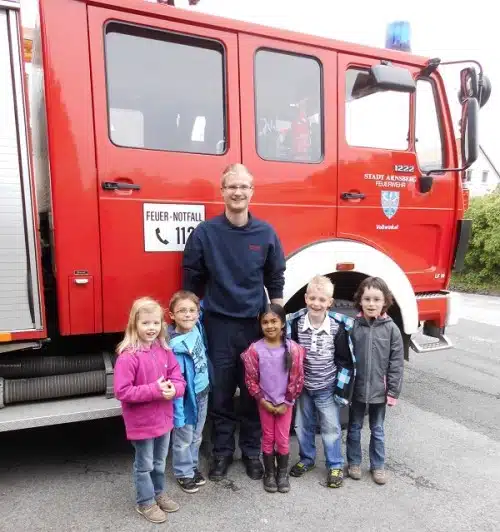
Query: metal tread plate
[[422, 343], [29, 415], [432, 295]]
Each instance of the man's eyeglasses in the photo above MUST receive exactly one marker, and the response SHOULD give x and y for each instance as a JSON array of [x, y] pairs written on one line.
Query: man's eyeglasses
[[234, 188]]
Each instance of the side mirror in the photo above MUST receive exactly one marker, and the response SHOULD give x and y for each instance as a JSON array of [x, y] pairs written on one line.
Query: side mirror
[[469, 144], [392, 78], [485, 91], [469, 132], [472, 87], [468, 84], [382, 77]]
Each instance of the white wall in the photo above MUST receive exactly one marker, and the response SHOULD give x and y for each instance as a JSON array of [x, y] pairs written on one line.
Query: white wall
[[481, 178]]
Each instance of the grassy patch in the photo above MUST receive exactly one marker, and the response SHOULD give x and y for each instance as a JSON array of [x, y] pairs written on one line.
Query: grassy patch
[[470, 282]]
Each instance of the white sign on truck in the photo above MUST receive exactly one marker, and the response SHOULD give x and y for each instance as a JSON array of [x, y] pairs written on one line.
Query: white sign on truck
[[167, 226]]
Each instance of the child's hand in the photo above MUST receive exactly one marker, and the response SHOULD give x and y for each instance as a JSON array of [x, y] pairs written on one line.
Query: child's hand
[[268, 406], [391, 401], [169, 391], [162, 383], [281, 409]]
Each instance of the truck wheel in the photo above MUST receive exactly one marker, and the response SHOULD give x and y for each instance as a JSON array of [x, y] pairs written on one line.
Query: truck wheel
[[344, 306]]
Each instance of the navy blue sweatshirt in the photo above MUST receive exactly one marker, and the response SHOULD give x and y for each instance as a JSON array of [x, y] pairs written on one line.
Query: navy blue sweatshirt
[[228, 266]]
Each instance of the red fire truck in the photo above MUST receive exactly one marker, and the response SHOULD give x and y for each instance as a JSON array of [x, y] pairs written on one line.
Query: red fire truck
[[115, 155]]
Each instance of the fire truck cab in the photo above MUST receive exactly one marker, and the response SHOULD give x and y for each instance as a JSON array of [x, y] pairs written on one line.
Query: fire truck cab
[[113, 158]]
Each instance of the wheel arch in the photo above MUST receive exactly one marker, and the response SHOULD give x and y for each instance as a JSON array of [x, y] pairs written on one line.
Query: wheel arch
[[321, 258]]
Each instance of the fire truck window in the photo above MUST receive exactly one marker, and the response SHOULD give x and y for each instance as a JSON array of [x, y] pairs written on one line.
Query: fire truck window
[[289, 114], [377, 119], [428, 139], [165, 91], [126, 127]]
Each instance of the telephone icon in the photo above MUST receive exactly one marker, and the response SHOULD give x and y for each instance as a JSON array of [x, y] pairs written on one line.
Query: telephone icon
[[158, 236]]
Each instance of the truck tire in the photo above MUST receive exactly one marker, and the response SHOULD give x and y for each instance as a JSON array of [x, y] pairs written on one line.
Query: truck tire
[[344, 306]]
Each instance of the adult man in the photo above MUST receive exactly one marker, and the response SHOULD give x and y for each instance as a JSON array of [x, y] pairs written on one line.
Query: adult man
[[228, 261]]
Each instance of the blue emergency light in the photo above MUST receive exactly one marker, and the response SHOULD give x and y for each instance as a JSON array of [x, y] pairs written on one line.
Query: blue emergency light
[[398, 36]]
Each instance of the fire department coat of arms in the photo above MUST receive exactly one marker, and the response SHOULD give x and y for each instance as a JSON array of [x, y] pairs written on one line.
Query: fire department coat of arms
[[390, 202]]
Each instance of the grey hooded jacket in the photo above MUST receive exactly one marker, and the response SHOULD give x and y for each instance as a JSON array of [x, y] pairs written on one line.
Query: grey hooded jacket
[[379, 352]]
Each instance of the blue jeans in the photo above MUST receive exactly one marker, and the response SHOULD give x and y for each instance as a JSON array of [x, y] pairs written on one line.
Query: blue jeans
[[149, 468], [186, 442], [376, 414], [319, 402]]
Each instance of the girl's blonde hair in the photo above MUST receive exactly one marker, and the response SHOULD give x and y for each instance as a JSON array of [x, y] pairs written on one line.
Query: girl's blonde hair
[[131, 338]]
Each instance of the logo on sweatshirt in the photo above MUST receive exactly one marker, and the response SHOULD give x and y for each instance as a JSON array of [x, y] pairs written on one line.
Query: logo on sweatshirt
[[254, 247]]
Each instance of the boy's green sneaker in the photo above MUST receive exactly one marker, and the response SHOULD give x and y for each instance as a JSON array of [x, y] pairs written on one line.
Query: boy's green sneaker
[[300, 468], [335, 478]]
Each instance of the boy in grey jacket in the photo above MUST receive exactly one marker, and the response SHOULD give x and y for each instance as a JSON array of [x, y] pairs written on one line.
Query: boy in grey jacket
[[378, 348]]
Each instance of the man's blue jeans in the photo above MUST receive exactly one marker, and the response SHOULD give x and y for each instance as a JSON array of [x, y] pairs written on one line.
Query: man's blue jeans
[[376, 414], [309, 404], [149, 468], [186, 442]]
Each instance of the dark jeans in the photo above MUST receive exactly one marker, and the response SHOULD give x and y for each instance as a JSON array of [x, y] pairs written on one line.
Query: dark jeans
[[376, 415], [227, 339]]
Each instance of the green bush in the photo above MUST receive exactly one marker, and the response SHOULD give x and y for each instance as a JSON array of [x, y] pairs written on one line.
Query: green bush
[[482, 262]]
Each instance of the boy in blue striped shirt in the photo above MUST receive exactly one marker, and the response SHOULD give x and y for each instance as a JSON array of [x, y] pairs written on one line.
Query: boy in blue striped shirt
[[328, 378]]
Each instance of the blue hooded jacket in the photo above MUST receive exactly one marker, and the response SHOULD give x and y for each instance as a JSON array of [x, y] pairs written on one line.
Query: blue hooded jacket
[[191, 354]]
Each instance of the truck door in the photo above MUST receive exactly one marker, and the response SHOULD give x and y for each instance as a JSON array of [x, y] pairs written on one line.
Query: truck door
[[164, 94], [289, 136], [20, 284], [386, 141]]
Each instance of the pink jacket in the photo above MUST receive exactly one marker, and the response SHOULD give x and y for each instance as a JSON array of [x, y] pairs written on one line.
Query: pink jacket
[[145, 412], [250, 359]]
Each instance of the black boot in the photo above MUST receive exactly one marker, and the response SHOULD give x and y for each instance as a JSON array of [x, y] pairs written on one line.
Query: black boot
[[270, 473], [219, 468], [282, 476], [253, 467]]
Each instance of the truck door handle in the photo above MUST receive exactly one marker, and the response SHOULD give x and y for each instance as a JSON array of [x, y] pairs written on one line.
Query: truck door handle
[[352, 195], [118, 185]]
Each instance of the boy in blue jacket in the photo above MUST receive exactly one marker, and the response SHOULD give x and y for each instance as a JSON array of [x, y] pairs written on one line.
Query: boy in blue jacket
[[187, 341]]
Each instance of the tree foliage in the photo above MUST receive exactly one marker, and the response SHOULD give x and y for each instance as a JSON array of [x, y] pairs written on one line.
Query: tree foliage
[[482, 262]]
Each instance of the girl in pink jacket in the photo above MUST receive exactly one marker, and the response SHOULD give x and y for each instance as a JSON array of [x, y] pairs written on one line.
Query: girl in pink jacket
[[147, 379], [274, 376]]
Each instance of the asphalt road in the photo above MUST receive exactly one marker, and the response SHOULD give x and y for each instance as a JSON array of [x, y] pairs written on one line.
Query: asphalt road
[[443, 456]]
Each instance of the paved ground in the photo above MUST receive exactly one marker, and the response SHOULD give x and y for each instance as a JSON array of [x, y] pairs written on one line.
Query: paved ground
[[443, 448]]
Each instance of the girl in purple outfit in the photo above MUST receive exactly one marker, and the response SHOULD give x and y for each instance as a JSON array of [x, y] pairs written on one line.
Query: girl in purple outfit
[[274, 376], [147, 379]]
